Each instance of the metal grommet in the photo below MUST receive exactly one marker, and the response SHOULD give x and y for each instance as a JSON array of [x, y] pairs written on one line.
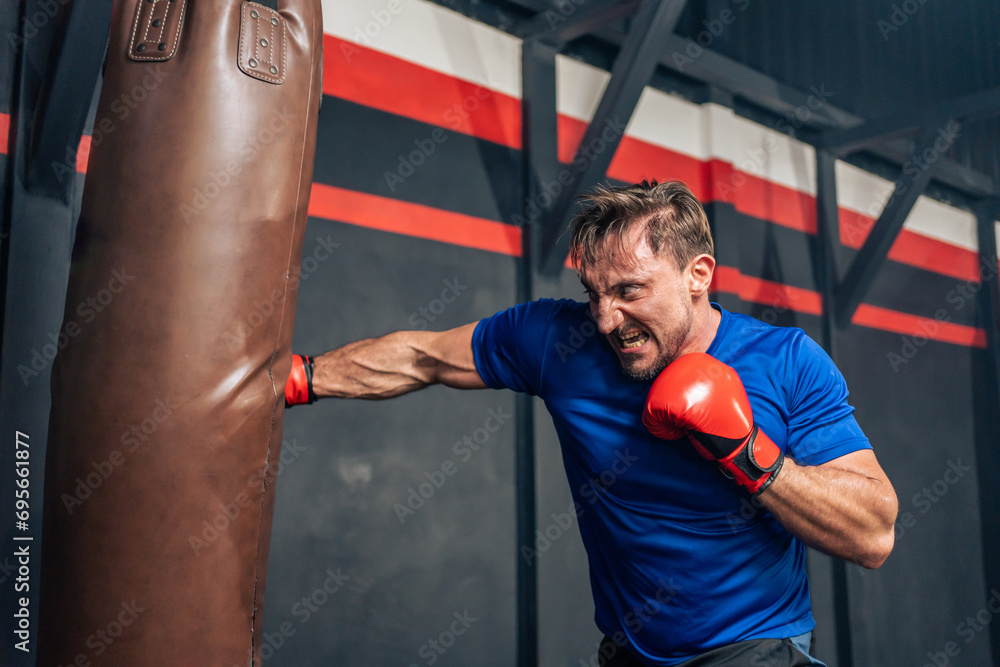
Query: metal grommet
[[156, 23], [140, 48], [274, 21], [274, 70], [162, 46], [263, 42], [253, 63], [254, 14]]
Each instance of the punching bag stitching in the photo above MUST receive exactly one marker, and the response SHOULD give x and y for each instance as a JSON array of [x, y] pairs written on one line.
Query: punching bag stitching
[[135, 28], [256, 38], [260, 520], [248, 59], [281, 324], [166, 14], [135, 31], [270, 46]]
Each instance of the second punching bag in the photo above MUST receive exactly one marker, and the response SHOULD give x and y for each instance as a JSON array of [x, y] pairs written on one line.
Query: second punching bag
[[167, 402]]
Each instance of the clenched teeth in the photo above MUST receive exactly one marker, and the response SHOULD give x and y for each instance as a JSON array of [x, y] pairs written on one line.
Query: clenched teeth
[[633, 339]]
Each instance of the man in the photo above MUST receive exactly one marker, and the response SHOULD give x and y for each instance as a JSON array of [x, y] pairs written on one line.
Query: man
[[687, 566]]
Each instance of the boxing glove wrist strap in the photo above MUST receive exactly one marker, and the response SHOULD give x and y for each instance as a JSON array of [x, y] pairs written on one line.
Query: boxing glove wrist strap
[[299, 387], [753, 464]]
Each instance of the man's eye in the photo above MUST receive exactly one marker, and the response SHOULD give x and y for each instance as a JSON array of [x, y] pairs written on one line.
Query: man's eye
[[629, 290], [590, 295]]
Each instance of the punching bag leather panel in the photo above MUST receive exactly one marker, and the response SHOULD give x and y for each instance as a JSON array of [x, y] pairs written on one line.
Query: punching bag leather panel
[[167, 401]]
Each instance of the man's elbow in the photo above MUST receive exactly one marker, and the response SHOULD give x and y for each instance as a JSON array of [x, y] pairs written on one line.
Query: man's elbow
[[879, 542], [877, 550]]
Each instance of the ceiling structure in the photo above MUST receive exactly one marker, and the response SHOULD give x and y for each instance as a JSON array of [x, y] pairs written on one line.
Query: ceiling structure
[[890, 68]]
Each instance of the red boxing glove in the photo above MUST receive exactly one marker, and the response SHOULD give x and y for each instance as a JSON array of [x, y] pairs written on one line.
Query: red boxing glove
[[703, 398], [299, 388]]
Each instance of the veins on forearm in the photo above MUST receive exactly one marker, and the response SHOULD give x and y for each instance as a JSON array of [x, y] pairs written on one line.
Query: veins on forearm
[[369, 369]]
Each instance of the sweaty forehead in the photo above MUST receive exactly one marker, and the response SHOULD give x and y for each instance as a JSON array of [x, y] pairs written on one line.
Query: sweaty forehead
[[623, 256], [619, 268]]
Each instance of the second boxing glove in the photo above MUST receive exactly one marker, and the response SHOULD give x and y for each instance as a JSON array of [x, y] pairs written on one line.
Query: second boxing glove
[[699, 396]]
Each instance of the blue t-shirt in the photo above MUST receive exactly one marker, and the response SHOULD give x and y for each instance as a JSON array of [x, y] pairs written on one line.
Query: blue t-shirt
[[681, 559]]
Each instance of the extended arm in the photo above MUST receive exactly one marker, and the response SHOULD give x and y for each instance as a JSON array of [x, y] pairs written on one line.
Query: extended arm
[[845, 507], [398, 363]]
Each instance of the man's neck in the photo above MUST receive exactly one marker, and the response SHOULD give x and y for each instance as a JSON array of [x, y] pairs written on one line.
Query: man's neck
[[703, 328]]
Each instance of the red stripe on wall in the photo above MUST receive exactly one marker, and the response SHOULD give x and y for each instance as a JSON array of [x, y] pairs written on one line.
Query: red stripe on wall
[[4, 132], [912, 248], [375, 79], [914, 325], [371, 78], [83, 154], [392, 215], [785, 297], [416, 220], [776, 295], [761, 198]]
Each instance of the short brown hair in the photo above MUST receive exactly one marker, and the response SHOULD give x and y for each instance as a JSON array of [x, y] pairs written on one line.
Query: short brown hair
[[674, 218]]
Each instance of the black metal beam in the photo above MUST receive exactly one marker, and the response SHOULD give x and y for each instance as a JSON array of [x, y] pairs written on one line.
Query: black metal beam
[[825, 242], [540, 163], [630, 73], [916, 174], [553, 27], [858, 137], [539, 123], [66, 96], [954, 174], [826, 239], [987, 453], [36, 241], [685, 56]]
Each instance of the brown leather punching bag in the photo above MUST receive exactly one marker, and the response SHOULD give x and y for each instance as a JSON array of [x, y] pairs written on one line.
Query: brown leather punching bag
[[167, 400]]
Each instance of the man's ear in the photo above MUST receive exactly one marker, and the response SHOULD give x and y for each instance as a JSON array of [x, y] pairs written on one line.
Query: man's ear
[[699, 274]]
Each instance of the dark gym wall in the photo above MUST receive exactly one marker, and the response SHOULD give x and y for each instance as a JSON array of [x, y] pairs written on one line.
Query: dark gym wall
[[417, 520], [35, 242]]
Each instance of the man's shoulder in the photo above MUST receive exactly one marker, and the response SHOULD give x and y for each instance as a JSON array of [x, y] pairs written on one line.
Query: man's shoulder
[[569, 307], [537, 322], [548, 312], [745, 331]]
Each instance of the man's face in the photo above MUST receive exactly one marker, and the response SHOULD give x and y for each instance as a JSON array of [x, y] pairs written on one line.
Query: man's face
[[642, 303]]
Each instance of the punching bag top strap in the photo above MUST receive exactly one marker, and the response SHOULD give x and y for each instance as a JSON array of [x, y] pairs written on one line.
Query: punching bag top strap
[[156, 29], [262, 42]]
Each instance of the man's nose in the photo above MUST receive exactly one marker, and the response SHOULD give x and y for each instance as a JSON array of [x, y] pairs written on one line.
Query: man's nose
[[608, 317]]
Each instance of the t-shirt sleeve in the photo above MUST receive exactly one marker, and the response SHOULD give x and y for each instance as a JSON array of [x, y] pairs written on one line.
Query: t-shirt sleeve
[[821, 424], [509, 347]]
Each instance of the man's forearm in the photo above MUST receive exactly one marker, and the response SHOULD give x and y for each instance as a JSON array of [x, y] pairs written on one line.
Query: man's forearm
[[374, 368], [844, 513], [397, 364]]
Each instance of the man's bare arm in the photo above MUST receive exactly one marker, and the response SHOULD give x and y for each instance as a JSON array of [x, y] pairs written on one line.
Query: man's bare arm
[[397, 364], [845, 507]]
